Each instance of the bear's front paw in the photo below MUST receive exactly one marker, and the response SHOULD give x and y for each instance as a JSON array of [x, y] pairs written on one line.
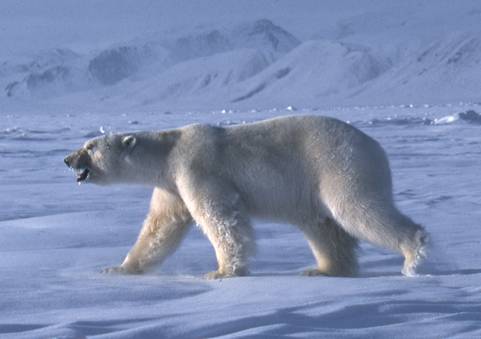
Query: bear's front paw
[[226, 274], [217, 275], [119, 270]]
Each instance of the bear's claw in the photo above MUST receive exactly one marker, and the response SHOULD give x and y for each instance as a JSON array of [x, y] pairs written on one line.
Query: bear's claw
[[119, 270], [313, 272], [215, 275], [220, 275]]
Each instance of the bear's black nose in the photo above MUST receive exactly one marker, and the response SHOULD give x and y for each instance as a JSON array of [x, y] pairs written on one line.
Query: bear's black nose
[[67, 160]]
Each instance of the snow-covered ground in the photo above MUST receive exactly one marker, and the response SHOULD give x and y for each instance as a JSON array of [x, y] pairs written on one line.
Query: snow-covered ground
[[407, 73], [55, 237]]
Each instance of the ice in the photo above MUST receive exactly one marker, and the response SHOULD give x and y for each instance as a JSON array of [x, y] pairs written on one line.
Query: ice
[[55, 238], [470, 117]]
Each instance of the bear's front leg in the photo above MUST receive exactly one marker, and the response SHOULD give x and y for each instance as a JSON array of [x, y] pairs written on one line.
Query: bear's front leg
[[165, 226], [219, 211]]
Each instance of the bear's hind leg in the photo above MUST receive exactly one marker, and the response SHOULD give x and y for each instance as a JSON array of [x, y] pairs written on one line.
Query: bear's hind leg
[[381, 223], [333, 248]]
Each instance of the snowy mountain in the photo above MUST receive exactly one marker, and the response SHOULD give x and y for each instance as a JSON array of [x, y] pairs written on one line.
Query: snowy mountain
[[49, 72], [316, 69], [383, 54], [448, 69], [46, 73], [200, 78]]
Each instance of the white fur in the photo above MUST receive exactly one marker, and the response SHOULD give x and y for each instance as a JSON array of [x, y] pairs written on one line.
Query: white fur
[[319, 173]]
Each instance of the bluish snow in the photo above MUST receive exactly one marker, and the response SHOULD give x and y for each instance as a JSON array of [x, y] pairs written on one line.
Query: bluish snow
[[57, 236]]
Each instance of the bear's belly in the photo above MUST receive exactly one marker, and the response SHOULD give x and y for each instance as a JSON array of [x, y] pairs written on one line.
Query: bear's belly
[[290, 202]]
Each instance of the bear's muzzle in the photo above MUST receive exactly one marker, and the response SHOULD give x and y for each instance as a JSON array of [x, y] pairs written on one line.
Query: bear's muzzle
[[79, 161]]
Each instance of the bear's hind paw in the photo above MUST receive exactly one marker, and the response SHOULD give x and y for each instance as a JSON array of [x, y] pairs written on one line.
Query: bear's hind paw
[[119, 270], [313, 272], [215, 275]]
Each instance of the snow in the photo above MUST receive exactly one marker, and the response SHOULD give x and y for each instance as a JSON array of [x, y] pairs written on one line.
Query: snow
[[406, 73], [57, 236]]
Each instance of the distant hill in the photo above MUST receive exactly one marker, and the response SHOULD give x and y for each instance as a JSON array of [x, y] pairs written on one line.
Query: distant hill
[[410, 52]]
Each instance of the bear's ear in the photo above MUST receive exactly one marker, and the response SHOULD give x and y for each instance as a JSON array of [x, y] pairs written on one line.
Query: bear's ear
[[129, 141]]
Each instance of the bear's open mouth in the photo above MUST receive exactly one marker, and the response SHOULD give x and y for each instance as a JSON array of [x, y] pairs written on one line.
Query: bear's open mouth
[[83, 174]]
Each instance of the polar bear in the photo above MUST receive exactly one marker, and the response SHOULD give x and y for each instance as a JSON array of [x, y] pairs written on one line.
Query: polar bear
[[319, 173]]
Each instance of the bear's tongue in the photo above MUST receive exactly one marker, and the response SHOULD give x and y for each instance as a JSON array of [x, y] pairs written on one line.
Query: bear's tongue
[[83, 175]]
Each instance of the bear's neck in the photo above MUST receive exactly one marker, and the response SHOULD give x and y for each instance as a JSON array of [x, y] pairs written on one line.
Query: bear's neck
[[156, 170]]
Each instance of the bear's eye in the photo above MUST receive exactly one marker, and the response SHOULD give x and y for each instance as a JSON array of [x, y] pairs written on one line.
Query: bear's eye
[[90, 148]]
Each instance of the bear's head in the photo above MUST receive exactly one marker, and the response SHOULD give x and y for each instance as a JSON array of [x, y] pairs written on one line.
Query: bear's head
[[105, 160], [136, 158]]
